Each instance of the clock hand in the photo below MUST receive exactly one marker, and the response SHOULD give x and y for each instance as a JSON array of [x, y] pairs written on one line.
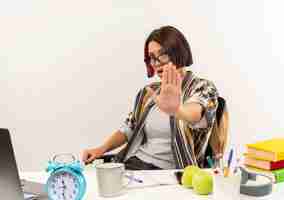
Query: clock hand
[[63, 188]]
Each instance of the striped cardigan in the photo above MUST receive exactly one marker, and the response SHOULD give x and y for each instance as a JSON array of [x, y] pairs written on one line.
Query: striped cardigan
[[188, 141]]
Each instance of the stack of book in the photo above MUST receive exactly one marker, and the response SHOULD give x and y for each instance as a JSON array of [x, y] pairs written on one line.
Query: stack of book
[[267, 157]]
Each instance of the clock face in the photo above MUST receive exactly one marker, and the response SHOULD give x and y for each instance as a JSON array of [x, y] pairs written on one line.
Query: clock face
[[63, 186]]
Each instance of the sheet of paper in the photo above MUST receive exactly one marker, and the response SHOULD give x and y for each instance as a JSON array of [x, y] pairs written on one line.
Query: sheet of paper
[[151, 178]]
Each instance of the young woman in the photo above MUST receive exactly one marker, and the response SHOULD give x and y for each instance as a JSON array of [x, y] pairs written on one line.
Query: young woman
[[172, 120]]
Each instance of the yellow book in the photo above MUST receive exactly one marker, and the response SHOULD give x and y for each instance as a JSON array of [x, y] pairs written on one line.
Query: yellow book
[[271, 150], [255, 157]]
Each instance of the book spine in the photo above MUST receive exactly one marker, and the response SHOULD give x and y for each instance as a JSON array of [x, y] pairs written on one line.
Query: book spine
[[276, 165], [279, 156]]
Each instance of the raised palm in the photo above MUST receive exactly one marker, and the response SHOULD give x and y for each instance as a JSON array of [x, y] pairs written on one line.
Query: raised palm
[[168, 100]]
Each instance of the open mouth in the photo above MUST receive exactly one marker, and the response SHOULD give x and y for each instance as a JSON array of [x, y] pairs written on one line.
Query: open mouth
[[160, 72]]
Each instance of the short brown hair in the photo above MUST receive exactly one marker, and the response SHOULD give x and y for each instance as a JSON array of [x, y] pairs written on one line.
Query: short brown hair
[[174, 44]]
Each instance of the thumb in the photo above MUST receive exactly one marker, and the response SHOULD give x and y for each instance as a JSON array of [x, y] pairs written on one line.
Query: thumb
[[85, 156], [90, 159]]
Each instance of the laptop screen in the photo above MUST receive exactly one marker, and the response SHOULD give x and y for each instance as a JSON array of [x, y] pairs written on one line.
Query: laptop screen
[[10, 187]]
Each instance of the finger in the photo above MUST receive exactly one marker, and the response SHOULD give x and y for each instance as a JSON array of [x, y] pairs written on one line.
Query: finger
[[85, 156], [171, 74], [166, 74], [179, 81], [173, 65], [91, 159], [175, 75], [163, 80]]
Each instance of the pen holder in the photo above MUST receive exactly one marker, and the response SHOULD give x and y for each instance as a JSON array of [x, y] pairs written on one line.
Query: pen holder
[[226, 187]]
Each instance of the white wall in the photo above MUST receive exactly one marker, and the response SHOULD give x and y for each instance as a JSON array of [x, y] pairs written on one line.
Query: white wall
[[239, 45], [70, 69]]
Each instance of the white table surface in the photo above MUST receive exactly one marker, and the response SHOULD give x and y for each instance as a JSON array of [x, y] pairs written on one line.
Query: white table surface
[[170, 192]]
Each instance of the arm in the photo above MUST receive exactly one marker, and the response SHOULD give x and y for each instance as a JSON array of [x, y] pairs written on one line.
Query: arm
[[200, 107], [117, 139], [191, 112]]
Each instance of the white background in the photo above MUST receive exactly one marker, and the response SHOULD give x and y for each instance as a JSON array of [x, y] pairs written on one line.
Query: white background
[[69, 70]]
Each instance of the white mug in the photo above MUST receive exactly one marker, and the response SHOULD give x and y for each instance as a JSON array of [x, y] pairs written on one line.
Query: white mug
[[226, 187], [111, 179]]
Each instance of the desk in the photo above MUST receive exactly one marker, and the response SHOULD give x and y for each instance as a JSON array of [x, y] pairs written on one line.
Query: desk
[[169, 192]]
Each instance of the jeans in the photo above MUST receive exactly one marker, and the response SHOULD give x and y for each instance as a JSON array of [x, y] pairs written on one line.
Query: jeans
[[134, 163]]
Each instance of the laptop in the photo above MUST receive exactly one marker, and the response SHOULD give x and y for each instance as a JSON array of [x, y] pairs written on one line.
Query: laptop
[[11, 186]]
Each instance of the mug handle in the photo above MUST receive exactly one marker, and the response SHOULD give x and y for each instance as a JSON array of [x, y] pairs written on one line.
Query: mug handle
[[130, 176]]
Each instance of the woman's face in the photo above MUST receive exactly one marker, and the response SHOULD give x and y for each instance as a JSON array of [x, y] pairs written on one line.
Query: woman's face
[[158, 58]]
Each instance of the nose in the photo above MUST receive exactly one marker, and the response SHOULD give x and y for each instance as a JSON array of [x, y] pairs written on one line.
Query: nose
[[156, 63]]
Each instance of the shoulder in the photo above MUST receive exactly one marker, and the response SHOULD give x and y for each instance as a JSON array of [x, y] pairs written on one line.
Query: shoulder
[[143, 94], [204, 92], [202, 84], [153, 85]]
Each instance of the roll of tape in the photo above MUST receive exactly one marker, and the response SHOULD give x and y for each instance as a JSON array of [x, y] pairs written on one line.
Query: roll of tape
[[254, 184]]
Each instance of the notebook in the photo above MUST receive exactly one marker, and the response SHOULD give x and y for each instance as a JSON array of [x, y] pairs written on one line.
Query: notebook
[[153, 178], [263, 164], [270, 150]]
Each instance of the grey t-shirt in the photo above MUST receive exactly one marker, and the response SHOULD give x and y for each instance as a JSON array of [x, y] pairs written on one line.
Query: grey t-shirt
[[157, 150]]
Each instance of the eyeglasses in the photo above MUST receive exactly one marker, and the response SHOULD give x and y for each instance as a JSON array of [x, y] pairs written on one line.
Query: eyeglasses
[[160, 60]]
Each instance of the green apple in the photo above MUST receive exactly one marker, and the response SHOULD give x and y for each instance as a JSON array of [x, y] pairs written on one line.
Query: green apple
[[189, 171], [202, 182]]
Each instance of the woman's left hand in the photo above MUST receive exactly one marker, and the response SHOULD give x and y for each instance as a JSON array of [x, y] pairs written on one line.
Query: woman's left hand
[[168, 100]]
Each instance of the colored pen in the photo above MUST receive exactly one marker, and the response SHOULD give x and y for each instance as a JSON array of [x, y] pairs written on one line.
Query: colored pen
[[227, 168], [237, 165], [230, 158], [210, 162], [222, 164]]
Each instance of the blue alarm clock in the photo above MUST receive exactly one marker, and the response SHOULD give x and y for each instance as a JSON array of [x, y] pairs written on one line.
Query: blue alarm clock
[[66, 180]]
